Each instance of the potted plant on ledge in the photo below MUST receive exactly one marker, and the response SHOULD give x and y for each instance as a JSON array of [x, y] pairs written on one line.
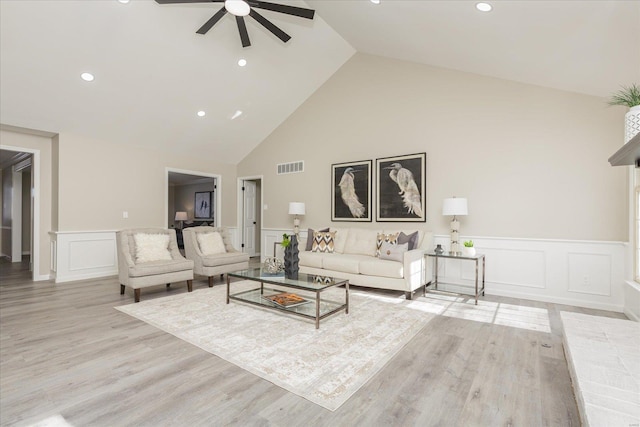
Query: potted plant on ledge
[[629, 97], [468, 249]]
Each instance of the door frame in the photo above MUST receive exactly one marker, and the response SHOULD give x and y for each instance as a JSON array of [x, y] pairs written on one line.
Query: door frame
[[240, 209], [218, 193], [35, 217]]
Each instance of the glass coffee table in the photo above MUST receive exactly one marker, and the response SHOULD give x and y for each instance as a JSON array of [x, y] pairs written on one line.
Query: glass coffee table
[[310, 287]]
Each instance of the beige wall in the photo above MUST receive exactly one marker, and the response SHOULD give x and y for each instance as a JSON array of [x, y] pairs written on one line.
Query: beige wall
[[43, 144], [532, 161], [98, 180]]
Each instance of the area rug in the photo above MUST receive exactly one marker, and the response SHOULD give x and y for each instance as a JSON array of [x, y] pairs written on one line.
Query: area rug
[[325, 366]]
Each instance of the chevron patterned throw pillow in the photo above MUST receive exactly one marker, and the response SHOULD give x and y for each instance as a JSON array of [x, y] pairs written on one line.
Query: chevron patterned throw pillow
[[323, 241], [389, 238]]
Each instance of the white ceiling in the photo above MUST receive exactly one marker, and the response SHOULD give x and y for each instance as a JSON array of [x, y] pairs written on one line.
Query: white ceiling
[[153, 73]]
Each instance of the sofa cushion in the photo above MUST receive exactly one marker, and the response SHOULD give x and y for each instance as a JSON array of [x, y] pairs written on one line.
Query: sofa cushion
[[420, 239], [344, 263], [361, 242], [151, 247], [392, 252], [210, 243], [382, 237], [340, 240], [381, 268], [323, 241], [310, 231], [160, 267], [224, 259], [312, 259]]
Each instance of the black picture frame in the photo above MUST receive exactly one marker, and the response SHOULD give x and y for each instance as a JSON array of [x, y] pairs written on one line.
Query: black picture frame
[[202, 205], [404, 201], [351, 191]]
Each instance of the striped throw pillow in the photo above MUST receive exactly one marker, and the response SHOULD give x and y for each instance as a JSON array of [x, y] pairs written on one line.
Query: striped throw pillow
[[323, 241]]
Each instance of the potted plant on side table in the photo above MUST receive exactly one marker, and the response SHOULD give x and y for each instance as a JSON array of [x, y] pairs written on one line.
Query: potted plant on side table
[[468, 249]]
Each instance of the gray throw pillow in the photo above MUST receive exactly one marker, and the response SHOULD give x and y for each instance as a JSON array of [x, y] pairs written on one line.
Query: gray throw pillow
[[310, 237], [393, 252], [412, 239]]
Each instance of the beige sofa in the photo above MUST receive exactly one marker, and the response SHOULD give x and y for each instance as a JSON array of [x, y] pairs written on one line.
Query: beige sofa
[[354, 258]]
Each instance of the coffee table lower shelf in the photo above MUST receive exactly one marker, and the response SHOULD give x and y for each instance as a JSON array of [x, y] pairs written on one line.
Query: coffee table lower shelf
[[316, 308]]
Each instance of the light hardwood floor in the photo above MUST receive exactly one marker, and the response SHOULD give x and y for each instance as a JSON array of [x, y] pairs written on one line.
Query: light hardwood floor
[[65, 350]]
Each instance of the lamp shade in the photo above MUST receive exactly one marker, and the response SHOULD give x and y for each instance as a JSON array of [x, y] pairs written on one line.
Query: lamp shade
[[181, 216], [454, 206], [296, 208]]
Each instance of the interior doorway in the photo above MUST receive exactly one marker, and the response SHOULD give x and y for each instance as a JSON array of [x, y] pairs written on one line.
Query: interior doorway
[[17, 210], [250, 214], [192, 198]]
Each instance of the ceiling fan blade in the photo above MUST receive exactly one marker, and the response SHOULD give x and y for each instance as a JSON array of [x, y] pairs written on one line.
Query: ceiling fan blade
[[269, 26], [212, 21], [242, 28], [289, 10], [187, 1]]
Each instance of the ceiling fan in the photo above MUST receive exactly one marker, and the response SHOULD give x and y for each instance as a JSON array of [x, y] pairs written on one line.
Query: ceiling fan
[[242, 8]]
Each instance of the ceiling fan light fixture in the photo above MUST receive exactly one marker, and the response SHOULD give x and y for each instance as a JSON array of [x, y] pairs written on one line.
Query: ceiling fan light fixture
[[484, 7], [237, 7]]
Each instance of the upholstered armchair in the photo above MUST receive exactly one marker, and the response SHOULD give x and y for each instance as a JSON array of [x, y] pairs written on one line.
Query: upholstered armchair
[[211, 251], [150, 257]]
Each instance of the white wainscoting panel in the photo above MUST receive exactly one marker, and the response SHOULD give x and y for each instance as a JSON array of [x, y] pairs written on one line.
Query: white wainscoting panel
[[78, 255], [582, 273], [590, 273]]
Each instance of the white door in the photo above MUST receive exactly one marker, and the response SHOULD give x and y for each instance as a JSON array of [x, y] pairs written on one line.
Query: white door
[[249, 218]]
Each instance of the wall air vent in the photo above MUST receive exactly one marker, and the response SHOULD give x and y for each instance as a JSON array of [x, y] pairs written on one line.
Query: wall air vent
[[292, 167]]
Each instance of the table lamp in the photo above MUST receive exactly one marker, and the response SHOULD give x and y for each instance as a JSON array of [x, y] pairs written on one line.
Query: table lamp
[[296, 208], [455, 206], [181, 216]]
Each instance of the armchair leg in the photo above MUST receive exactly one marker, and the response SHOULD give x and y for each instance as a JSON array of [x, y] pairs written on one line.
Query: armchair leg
[[221, 276], [211, 281], [408, 295], [190, 285], [168, 284], [121, 289], [136, 295]]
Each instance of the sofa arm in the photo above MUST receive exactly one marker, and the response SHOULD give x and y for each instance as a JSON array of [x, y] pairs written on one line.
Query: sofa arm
[[414, 268]]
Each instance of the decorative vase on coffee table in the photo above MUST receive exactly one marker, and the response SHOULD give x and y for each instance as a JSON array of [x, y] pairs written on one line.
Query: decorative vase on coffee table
[[291, 259]]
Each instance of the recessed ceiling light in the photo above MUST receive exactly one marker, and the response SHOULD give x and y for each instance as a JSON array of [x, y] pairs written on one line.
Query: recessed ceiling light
[[484, 7], [237, 7], [375, 1], [123, 1], [237, 114], [242, 62], [201, 113], [87, 77]]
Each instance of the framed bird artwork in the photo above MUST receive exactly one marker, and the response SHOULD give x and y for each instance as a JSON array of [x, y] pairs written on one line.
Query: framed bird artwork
[[351, 191], [401, 189]]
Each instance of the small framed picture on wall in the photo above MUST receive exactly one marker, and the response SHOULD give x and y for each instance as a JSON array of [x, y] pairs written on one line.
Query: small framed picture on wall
[[202, 207], [402, 188], [351, 191]]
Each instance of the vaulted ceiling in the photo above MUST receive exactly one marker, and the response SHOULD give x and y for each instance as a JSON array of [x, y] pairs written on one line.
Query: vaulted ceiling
[[153, 73]]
